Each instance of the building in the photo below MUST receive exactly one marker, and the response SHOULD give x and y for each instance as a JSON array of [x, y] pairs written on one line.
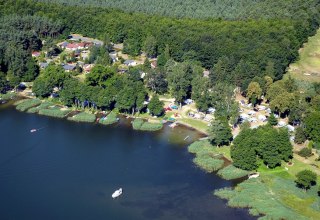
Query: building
[[69, 67], [130, 63]]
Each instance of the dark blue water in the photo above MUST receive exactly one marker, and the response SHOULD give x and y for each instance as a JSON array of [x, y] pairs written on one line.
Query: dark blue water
[[69, 171]]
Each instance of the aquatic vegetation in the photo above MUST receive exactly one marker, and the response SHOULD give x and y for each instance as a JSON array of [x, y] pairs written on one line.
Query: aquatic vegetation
[[111, 118], [231, 172], [55, 112], [83, 117], [140, 124], [28, 103], [274, 197], [8, 96], [43, 105], [208, 163]]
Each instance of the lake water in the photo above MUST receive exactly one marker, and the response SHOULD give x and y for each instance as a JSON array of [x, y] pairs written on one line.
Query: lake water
[[69, 170]]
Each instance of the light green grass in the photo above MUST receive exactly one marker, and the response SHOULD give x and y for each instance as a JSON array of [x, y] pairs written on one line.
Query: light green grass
[[27, 103], [140, 124], [204, 147], [111, 118], [231, 172], [309, 61], [274, 197], [54, 112], [43, 105], [194, 123], [209, 164], [83, 117], [8, 96]]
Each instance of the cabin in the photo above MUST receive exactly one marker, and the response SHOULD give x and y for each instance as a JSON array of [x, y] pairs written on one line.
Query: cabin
[[43, 65], [75, 46], [69, 67], [130, 63], [36, 54]]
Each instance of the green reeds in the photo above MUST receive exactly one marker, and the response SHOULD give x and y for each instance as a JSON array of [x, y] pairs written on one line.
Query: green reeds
[[83, 117]]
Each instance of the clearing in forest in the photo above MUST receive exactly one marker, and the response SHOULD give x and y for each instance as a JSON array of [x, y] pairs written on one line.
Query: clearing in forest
[[308, 66]]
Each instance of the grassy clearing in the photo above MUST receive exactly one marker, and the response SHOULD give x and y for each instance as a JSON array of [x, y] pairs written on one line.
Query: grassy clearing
[[308, 66], [111, 118], [140, 124], [194, 123], [55, 112], [83, 117], [43, 105], [274, 197], [28, 103], [231, 172]]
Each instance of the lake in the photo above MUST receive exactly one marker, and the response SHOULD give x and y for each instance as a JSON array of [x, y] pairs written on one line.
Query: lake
[[69, 170]]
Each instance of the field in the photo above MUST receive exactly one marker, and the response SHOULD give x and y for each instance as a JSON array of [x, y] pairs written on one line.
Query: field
[[308, 66]]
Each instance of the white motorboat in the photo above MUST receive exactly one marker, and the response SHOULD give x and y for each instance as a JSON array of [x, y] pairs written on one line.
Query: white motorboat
[[117, 193]]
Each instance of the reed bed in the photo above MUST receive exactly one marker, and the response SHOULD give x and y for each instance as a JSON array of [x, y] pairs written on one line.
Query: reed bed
[[231, 172], [111, 118], [140, 124], [28, 103], [83, 117], [55, 112]]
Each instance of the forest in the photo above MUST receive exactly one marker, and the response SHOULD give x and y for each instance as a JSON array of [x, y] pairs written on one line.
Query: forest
[[235, 51], [224, 9]]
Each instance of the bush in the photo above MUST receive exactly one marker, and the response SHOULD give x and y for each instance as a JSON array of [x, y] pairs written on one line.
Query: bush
[[208, 163], [305, 152], [300, 136], [28, 103], [139, 124], [54, 112], [83, 117], [231, 172], [111, 118]]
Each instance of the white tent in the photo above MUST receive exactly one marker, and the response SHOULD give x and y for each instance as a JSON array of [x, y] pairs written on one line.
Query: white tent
[[251, 112], [282, 123], [262, 118], [290, 128], [244, 116]]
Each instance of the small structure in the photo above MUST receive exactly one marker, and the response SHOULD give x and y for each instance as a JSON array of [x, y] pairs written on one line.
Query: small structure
[[262, 118], [282, 124], [251, 112], [68, 67], [63, 45], [244, 116], [130, 63], [254, 175], [87, 68], [206, 73], [154, 64], [252, 119], [43, 65], [242, 102], [36, 54], [261, 107], [188, 101], [290, 128], [76, 46], [211, 110], [208, 118]]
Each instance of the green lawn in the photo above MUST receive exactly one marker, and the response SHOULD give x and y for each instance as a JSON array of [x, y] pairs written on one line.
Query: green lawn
[[308, 65]]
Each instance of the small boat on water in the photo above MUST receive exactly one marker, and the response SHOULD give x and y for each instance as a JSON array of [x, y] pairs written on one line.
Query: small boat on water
[[33, 130], [117, 193]]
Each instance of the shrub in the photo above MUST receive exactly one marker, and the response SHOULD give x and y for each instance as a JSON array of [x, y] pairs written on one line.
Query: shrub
[[28, 103], [54, 112], [306, 178], [300, 136], [137, 123], [83, 117], [305, 152], [231, 172], [111, 118], [8, 96]]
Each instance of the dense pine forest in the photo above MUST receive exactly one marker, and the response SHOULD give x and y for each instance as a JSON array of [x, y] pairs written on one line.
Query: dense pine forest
[[225, 9], [236, 51]]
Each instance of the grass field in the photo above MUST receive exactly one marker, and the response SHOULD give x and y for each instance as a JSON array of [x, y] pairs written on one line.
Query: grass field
[[308, 65]]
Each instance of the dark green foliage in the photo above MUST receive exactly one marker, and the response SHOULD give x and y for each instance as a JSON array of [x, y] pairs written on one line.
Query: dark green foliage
[[251, 45], [300, 136], [156, 81], [312, 124], [267, 143], [306, 178], [155, 106], [305, 152], [272, 120], [3, 82], [220, 133]]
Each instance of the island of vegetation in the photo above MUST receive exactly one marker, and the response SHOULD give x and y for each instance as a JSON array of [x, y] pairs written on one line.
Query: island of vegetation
[[229, 69]]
